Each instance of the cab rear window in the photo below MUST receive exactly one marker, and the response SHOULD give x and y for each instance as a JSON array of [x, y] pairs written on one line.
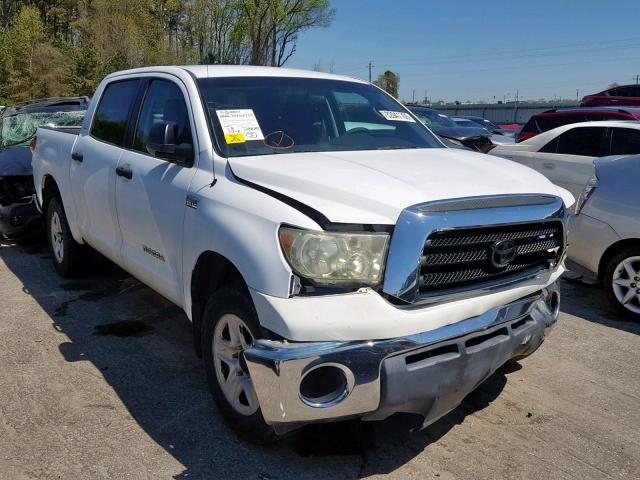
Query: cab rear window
[[110, 120]]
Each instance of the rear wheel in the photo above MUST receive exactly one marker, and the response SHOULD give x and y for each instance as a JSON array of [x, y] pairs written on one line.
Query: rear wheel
[[65, 251], [230, 326], [622, 282]]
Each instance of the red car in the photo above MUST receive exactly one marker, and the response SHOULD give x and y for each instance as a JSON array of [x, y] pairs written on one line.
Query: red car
[[622, 95], [558, 117]]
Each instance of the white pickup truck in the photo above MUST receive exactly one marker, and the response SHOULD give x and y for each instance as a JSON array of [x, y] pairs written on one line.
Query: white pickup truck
[[335, 258]]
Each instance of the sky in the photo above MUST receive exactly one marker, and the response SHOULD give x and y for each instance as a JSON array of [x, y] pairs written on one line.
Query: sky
[[481, 50]]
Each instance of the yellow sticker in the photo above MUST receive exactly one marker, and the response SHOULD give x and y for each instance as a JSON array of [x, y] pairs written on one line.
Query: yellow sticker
[[234, 137]]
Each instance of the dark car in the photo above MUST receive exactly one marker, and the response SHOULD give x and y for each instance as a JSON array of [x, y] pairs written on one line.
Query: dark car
[[18, 125], [623, 95], [475, 138], [551, 119], [484, 123]]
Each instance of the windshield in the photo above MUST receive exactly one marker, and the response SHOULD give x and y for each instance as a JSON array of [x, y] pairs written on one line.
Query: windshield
[[270, 115], [19, 129], [431, 118]]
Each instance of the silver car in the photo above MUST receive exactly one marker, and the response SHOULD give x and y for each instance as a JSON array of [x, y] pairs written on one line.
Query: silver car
[[604, 235]]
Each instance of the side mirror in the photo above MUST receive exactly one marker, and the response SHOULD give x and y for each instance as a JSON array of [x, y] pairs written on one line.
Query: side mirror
[[162, 144]]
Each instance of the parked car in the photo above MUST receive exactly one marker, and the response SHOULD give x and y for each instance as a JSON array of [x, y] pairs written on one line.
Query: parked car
[[463, 120], [474, 138], [330, 270], [605, 232], [496, 138], [18, 125], [565, 155], [555, 118], [617, 96]]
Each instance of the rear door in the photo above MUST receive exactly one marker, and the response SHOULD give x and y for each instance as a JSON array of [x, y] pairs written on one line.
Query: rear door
[[624, 141], [567, 160], [151, 197], [93, 167]]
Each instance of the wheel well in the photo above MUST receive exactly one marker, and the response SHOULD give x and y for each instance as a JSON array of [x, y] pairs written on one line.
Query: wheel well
[[49, 190], [613, 249], [212, 271]]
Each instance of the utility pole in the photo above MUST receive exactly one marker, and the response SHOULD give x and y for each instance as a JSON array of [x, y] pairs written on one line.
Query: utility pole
[[413, 97], [370, 65], [637, 79], [577, 94]]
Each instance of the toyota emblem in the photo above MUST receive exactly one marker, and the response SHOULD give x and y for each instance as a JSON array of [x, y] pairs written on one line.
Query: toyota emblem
[[502, 253]]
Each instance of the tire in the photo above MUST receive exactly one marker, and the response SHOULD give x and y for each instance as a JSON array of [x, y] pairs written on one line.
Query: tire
[[67, 254], [621, 279], [230, 324]]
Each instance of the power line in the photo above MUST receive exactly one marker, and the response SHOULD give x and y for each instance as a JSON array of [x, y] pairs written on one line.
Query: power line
[[520, 52]]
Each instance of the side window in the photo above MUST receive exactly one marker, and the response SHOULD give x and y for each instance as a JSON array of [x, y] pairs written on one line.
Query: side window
[[548, 123], [550, 147], [583, 141], [163, 103], [631, 91], [110, 120], [625, 141]]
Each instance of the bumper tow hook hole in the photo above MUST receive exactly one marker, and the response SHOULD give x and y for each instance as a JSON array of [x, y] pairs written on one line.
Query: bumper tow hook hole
[[475, 341], [435, 352], [324, 386]]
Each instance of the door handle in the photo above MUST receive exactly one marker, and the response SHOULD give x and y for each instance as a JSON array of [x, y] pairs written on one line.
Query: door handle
[[548, 166], [77, 156], [124, 171]]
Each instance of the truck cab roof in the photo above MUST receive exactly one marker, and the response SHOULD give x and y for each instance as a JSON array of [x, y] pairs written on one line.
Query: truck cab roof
[[217, 71]]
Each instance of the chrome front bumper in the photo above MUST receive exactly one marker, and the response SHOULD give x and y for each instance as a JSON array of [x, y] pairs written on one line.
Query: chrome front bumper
[[428, 373]]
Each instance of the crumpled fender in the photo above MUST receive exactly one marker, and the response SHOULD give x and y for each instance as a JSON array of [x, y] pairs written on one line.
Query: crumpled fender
[[15, 161]]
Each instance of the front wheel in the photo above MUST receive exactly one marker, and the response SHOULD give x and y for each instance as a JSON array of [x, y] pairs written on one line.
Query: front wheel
[[622, 281], [230, 326]]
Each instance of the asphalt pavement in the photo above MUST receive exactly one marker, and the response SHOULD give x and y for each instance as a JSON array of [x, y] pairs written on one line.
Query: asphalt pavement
[[98, 379]]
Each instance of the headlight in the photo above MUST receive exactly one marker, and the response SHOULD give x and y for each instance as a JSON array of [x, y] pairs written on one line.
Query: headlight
[[333, 258], [587, 191]]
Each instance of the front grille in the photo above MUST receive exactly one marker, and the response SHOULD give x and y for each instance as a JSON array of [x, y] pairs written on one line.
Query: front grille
[[462, 257]]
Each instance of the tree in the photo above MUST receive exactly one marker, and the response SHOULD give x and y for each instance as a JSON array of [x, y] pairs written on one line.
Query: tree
[[60, 47], [613, 85], [390, 82], [273, 26]]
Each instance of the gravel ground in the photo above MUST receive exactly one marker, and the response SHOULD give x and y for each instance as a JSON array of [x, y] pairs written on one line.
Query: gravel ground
[[81, 397]]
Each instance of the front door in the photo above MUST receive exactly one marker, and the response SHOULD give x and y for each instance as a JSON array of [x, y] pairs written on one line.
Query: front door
[[568, 159], [151, 193]]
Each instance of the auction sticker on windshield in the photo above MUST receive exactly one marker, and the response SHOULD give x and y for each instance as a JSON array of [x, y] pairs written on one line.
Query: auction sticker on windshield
[[397, 116], [240, 125]]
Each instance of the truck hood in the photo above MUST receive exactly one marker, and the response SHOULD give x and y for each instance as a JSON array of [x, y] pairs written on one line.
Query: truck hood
[[373, 187]]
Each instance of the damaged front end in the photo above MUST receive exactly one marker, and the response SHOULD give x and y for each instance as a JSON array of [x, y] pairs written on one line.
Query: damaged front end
[[18, 213], [427, 374]]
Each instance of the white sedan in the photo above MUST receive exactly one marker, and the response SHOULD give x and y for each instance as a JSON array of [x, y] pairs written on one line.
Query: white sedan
[[565, 154]]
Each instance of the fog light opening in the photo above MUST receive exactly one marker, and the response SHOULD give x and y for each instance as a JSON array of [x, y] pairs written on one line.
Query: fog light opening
[[325, 385]]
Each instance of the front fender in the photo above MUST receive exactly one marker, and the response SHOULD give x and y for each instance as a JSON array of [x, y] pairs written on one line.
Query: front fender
[[241, 224]]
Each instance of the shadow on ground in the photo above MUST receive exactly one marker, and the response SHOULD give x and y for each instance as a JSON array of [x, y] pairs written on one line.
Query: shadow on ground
[[142, 346], [588, 301]]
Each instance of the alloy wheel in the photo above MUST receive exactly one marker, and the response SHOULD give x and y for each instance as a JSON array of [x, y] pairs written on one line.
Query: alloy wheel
[[230, 338], [57, 239], [626, 283]]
